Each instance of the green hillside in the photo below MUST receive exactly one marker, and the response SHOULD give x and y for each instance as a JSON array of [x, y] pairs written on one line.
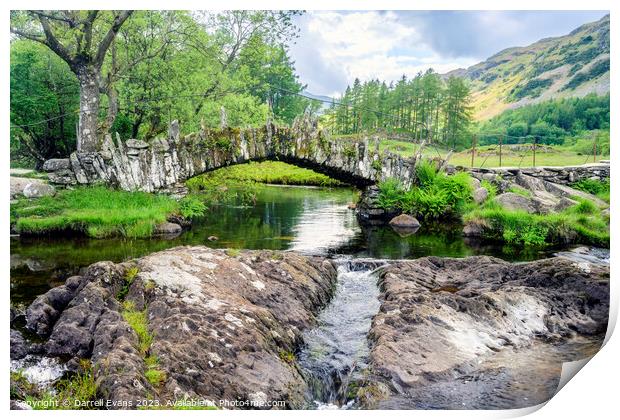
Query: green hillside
[[573, 65]]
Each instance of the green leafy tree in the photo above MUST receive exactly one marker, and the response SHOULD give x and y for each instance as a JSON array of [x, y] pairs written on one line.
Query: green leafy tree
[[82, 40], [43, 88]]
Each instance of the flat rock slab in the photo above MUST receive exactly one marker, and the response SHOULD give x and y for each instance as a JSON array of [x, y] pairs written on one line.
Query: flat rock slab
[[446, 320]]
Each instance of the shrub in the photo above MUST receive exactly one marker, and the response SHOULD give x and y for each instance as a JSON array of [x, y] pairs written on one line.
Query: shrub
[[592, 186], [390, 194], [436, 195], [490, 187], [426, 174], [192, 206], [429, 203]]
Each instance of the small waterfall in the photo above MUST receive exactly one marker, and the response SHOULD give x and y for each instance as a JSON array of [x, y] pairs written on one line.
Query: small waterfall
[[336, 351]]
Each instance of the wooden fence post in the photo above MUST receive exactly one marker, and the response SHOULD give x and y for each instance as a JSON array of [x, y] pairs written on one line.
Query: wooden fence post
[[534, 154], [500, 151], [594, 149], [473, 150]]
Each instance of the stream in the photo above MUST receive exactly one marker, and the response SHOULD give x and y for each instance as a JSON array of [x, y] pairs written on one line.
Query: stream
[[336, 350], [314, 221], [310, 220]]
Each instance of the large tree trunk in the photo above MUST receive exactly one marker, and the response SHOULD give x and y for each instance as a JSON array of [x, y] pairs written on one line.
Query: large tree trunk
[[87, 139]]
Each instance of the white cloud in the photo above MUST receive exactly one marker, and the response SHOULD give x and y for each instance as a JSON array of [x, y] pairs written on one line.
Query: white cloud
[[335, 47], [366, 45]]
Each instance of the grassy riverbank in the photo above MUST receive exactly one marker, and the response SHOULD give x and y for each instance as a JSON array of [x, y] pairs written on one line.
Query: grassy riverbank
[[95, 211], [439, 197], [101, 212], [580, 224], [267, 172]]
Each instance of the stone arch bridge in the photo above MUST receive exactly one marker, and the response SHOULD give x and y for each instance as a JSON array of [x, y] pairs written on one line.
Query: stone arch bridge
[[162, 164], [165, 163]]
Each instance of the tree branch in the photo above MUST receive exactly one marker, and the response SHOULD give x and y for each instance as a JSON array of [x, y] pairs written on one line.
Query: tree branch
[[67, 20], [53, 42], [107, 40], [32, 37]]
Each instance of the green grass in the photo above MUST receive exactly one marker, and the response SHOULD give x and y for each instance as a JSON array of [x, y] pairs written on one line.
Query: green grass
[[95, 211], [491, 189], [138, 321], [233, 252], [488, 157], [601, 189], [80, 387], [153, 374], [130, 275], [582, 223], [520, 191], [268, 172], [287, 356]]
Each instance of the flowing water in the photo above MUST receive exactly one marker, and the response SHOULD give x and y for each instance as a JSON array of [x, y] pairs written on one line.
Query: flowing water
[[313, 221], [336, 350]]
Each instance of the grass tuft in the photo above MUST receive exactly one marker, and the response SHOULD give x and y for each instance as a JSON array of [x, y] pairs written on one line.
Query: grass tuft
[[138, 321]]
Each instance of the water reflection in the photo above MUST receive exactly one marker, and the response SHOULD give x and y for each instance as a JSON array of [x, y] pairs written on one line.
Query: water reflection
[[305, 219]]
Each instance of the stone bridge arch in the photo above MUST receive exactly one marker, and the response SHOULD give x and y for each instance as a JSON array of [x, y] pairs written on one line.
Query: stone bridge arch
[[162, 164]]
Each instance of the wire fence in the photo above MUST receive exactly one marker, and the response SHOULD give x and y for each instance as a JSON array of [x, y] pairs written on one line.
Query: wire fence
[[496, 151]]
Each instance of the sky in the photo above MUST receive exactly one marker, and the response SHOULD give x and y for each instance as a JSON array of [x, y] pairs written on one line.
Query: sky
[[335, 47]]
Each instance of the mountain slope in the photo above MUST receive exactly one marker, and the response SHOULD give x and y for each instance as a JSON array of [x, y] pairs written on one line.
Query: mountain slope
[[572, 65]]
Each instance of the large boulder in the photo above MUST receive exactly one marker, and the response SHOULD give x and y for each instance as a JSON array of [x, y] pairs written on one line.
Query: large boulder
[[53, 165], [167, 229], [38, 189], [480, 195], [19, 346], [30, 188], [513, 201], [222, 326]]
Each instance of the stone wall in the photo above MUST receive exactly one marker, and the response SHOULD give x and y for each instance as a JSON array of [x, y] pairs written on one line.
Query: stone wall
[[564, 175], [162, 163]]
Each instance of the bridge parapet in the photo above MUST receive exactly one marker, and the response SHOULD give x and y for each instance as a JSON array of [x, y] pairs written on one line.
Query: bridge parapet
[[135, 165]]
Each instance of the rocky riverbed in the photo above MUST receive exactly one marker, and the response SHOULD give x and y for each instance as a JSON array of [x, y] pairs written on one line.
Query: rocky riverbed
[[229, 327], [452, 333]]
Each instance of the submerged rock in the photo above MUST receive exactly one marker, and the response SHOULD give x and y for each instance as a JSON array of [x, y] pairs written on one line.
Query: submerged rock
[[405, 225], [442, 319]]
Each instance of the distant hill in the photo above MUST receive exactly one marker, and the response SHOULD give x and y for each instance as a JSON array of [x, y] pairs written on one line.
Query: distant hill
[[572, 65]]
